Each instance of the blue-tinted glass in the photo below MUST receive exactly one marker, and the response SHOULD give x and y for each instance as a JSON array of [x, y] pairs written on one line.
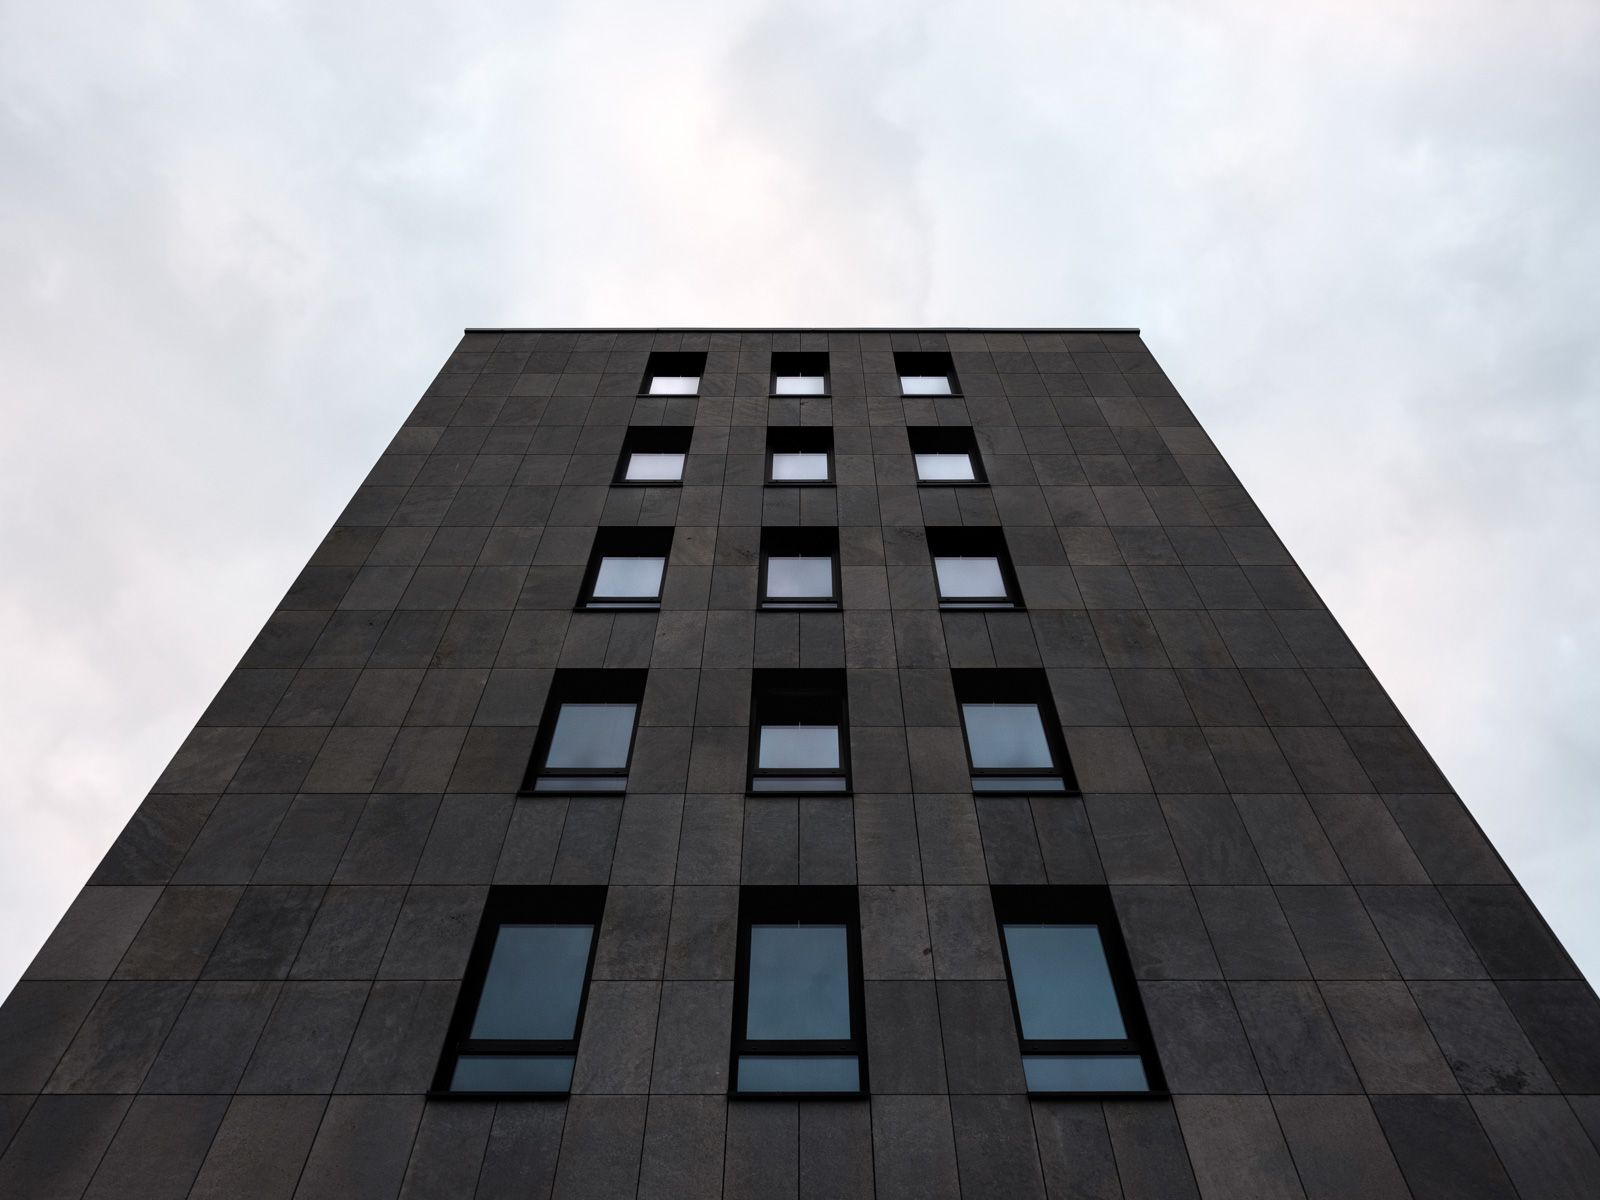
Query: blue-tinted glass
[[534, 984], [1006, 736], [511, 1073], [623, 578], [761, 1073], [580, 783], [591, 736], [1062, 982], [1085, 1073], [1018, 783], [799, 983], [798, 748], [799, 578]]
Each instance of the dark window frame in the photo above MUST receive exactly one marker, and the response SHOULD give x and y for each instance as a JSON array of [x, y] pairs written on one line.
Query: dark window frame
[[800, 362], [974, 541], [669, 363], [926, 362], [947, 439], [1044, 904], [810, 541], [1014, 685], [516, 905], [622, 541], [652, 439], [581, 685], [804, 905], [801, 439], [821, 690]]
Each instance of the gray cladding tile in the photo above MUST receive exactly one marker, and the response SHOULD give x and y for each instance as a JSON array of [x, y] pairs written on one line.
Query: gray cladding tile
[[91, 938], [1237, 1146], [37, 1021], [361, 1148], [434, 933], [914, 1148], [213, 1038], [114, 1047], [995, 1147], [1441, 1148], [1543, 1147], [60, 1143], [159, 1147], [155, 840], [683, 1144], [1338, 1147], [447, 1155]]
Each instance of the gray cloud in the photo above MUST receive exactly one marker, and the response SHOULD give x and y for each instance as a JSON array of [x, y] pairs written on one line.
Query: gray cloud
[[236, 241]]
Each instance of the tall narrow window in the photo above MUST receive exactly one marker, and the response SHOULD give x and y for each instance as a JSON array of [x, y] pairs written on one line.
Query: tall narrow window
[[585, 740], [797, 1003], [627, 567], [946, 455], [1079, 1020], [926, 373], [1014, 742], [673, 373], [800, 456], [520, 1009], [800, 567], [972, 567], [653, 456], [799, 733], [800, 374]]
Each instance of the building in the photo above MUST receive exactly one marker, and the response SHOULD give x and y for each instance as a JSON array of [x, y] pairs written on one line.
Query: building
[[896, 763]]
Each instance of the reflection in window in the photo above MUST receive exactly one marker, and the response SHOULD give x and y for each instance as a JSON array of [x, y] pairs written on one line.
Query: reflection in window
[[521, 1004], [799, 468], [675, 385], [945, 468], [1075, 1034], [591, 737], [799, 385], [799, 748], [799, 578], [970, 578], [798, 994], [1006, 736], [629, 578], [925, 385], [655, 468]]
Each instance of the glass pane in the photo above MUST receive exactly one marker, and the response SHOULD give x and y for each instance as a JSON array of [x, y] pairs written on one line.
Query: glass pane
[[534, 983], [591, 736], [797, 783], [1085, 1073], [674, 385], [511, 1073], [944, 466], [654, 466], [580, 783], [798, 748], [796, 578], [1062, 982], [799, 385], [925, 385], [970, 577], [759, 1073], [635, 578], [1018, 783], [799, 467], [799, 983], [1006, 736]]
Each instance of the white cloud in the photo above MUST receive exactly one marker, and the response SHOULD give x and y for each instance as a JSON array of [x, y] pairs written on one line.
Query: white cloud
[[236, 240]]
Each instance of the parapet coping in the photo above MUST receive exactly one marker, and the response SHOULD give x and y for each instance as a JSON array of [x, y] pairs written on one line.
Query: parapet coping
[[799, 329]]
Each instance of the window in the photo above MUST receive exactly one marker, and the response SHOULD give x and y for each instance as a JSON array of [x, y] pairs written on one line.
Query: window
[[1079, 1020], [626, 567], [946, 455], [800, 567], [800, 374], [799, 733], [653, 456], [797, 1002], [520, 1010], [586, 733], [800, 456], [972, 568], [1014, 742], [673, 373], [926, 374]]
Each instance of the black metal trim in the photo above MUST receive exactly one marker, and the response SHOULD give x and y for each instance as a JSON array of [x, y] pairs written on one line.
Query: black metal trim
[[822, 690], [643, 541], [947, 439], [814, 541], [801, 362], [974, 541], [927, 362], [584, 685], [1015, 685], [652, 439], [801, 439]]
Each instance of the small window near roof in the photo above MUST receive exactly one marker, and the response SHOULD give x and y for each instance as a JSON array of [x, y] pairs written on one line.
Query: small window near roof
[[1079, 1021], [653, 456], [800, 374], [673, 373], [800, 567], [585, 740], [1014, 743], [926, 373], [799, 733], [946, 455], [520, 1010], [798, 1011], [800, 456], [627, 567], [972, 567]]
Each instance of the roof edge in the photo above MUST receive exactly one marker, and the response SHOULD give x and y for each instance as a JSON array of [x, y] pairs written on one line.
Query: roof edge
[[800, 329]]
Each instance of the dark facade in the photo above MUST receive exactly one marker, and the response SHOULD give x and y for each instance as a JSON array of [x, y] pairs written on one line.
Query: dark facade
[[1341, 990]]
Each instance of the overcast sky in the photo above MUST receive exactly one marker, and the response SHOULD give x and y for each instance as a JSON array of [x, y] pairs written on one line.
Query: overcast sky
[[237, 239]]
